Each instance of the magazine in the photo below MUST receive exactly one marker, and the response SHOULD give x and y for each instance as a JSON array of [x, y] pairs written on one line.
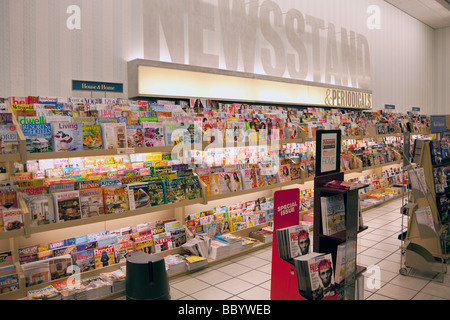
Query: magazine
[[293, 241], [175, 190], [153, 134], [9, 139], [91, 202], [135, 136], [104, 257], [333, 214], [67, 206], [313, 286], [116, 199], [67, 136], [92, 137], [139, 195], [157, 192], [192, 187], [114, 135], [38, 137], [84, 260]]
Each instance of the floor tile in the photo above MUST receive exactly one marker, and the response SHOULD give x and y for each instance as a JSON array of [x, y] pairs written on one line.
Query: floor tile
[[387, 247], [435, 289], [372, 252], [213, 277], [426, 296], [190, 286], [176, 294], [365, 260], [235, 286], [255, 293], [211, 293], [234, 269], [256, 277], [253, 262], [409, 282], [397, 292], [373, 237], [376, 296]]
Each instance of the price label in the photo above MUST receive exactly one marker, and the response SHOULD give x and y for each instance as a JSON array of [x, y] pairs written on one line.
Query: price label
[[126, 151]]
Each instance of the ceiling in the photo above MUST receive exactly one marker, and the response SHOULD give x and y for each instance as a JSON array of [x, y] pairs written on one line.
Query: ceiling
[[434, 13]]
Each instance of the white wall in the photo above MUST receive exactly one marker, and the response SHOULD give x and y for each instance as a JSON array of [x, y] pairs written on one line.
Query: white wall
[[442, 74], [40, 56]]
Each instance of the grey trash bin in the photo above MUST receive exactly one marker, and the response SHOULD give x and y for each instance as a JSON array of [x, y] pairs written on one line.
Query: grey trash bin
[[146, 277]]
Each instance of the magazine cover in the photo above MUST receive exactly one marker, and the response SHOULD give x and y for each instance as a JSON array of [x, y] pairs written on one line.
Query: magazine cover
[[38, 137], [135, 136], [9, 283], [104, 257], [175, 191], [91, 202], [116, 199], [12, 219], [114, 135], [157, 192], [333, 214], [139, 195], [153, 134], [84, 260], [9, 140], [321, 277], [41, 208], [122, 249], [58, 266], [144, 243], [173, 133], [192, 187], [67, 136], [284, 174], [92, 137], [225, 182], [67, 206], [213, 186], [440, 180]]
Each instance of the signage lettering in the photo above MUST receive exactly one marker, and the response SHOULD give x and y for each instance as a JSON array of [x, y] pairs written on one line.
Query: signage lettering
[[252, 34]]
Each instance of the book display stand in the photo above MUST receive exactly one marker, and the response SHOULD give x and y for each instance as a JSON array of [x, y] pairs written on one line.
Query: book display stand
[[348, 288], [424, 244]]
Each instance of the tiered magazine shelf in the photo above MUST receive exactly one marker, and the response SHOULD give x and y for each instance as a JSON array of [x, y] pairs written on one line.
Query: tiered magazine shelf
[[329, 243]]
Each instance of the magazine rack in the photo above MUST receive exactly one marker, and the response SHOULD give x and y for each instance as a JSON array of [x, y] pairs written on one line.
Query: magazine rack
[[424, 247], [328, 244]]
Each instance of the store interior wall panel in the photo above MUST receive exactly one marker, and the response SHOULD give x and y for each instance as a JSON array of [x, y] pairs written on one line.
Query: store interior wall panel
[[44, 55]]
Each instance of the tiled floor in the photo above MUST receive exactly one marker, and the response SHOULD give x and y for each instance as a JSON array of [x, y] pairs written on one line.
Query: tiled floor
[[248, 277]]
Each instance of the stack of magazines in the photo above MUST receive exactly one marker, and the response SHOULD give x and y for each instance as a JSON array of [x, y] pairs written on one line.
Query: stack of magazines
[[315, 275], [293, 241]]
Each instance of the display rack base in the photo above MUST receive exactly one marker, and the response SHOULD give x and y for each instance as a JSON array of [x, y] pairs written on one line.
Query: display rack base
[[421, 264]]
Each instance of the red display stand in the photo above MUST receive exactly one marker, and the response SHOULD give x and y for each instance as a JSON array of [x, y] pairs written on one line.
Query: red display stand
[[284, 285]]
